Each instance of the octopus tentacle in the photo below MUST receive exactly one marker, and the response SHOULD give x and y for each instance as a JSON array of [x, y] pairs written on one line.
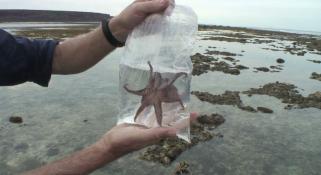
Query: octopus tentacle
[[177, 76], [173, 96], [139, 110], [164, 84], [138, 92], [158, 112], [158, 80], [150, 72], [173, 80], [181, 103]]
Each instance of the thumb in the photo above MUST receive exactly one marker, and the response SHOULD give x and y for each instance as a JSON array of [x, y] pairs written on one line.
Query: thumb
[[154, 6]]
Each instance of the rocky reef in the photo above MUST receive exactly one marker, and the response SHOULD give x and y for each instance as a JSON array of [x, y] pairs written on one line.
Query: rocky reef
[[316, 76], [168, 150], [289, 94]]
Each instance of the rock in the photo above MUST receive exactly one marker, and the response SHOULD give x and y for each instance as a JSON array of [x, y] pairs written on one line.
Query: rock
[[167, 150], [229, 59], [214, 52], [288, 107], [302, 53], [263, 69], [211, 120], [274, 71], [201, 63], [232, 71], [165, 160], [315, 96], [278, 90], [199, 58], [228, 98], [182, 168], [276, 67], [241, 67], [288, 94], [21, 147], [205, 136], [53, 152], [173, 153], [226, 39], [220, 135], [280, 60], [201, 68], [315, 61], [316, 76], [224, 67], [16, 119], [265, 110], [247, 108]]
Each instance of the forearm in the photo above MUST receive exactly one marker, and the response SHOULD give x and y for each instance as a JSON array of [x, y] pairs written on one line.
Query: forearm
[[80, 163], [78, 54]]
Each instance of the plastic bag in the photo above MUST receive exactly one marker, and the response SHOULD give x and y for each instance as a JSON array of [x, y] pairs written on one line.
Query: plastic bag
[[155, 71]]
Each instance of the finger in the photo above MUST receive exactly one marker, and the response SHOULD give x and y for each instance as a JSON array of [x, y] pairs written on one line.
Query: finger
[[154, 135], [165, 132], [193, 117], [154, 6], [138, 126], [184, 123]]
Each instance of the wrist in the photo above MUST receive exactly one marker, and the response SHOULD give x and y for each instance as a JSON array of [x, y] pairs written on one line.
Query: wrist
[[102, 147], [106, 149], [118, 31]]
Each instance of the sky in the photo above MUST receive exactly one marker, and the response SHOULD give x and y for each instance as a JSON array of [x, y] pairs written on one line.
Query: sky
[[276, 14]]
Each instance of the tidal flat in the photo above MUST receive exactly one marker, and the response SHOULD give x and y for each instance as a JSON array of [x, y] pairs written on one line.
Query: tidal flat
[[257, 92]]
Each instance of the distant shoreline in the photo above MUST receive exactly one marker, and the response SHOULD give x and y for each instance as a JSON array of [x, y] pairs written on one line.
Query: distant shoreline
[[49, 16], [204, 27]]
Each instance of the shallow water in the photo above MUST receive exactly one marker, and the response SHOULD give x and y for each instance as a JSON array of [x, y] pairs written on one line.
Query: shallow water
[[285, 142]]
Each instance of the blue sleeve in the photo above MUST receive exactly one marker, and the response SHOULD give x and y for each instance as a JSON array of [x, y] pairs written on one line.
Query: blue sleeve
[[23, 60]]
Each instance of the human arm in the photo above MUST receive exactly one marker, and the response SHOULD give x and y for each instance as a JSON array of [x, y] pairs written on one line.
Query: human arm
[[119, 141], [22, 59], [78, 54]]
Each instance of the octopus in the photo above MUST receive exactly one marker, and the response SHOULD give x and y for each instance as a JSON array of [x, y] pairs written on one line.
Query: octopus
[[157, 91]]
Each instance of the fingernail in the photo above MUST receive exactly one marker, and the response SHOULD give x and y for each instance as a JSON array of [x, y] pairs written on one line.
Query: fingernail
[[193, 113]]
